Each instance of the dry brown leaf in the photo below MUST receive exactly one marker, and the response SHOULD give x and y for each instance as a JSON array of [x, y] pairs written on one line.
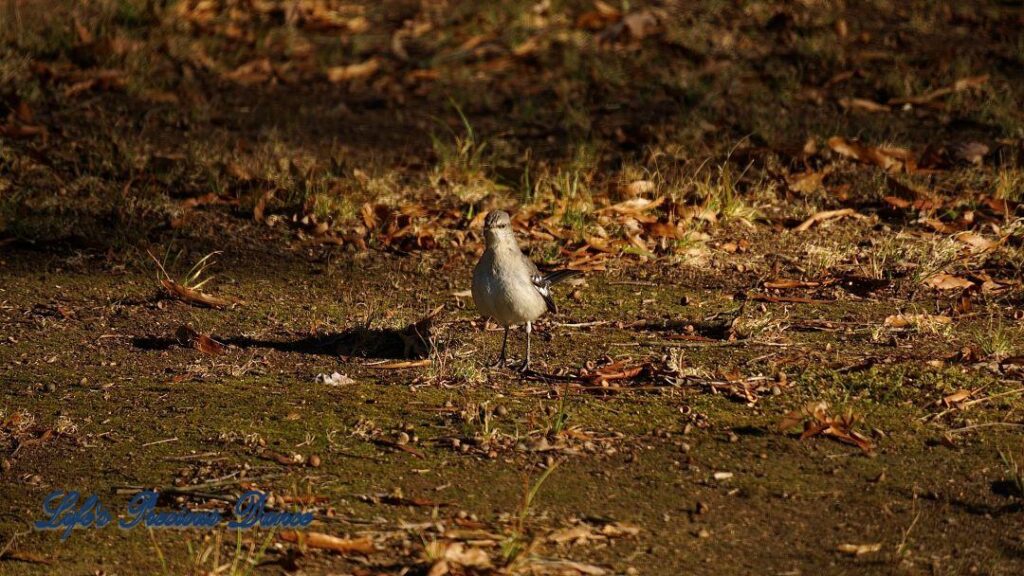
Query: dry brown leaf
[[640, 24], [665, 230], [440, 568], [24, 113], [338, 74], [186, 336], [459, 553], [957, 397], [402, 364], [194, 296], [599, 244], [784, 283], [599, 18], [259, 211], [889, 159], [363, 545], [859, 549], [919, 320], [634, 206], [977, 242], [943, 281], [939, 226], [252, 72], [863, 104], [578, 534], [817, 420], [541, 567], [807, 182], [826, 215], [22, 131], [958, 86], [638, 188], [619, 529]]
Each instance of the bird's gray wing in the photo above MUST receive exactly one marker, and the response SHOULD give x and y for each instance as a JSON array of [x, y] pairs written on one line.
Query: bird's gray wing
[[543, 282], [540, 283]]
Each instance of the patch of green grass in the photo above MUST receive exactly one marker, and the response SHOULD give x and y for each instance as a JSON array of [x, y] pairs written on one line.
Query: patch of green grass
[[1009, 185], [462, 162], [516, 542], [995, 340], [718, 191]]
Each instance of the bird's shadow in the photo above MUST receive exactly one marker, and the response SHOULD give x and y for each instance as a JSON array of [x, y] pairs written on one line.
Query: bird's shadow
[[359, 342]]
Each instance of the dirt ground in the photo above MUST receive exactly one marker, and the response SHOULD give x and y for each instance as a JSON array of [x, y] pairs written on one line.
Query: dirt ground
[[236, 241]]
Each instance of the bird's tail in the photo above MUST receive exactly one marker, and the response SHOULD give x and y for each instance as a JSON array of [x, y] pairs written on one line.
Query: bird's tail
[[560, 275]]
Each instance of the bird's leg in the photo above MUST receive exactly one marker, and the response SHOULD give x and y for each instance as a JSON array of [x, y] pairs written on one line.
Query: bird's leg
[[504, 350], [526, 363]]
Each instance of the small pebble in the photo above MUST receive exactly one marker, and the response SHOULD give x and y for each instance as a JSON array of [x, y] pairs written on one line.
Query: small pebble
[[50, 387], [314, 461]]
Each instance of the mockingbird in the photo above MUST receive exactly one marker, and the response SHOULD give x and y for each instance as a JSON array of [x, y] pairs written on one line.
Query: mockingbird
[[507, 287]]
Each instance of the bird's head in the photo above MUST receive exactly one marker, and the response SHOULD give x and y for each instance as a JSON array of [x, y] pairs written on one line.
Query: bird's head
[[497, 227]]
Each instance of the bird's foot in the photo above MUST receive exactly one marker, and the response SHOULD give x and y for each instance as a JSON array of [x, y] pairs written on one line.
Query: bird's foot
[[525, 368], [499, 363]]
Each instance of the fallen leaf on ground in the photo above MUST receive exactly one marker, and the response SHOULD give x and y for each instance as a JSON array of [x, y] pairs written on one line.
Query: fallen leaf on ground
[[638, 188], [253, 72], [826, 215], [542, 567], [817, 420], [634, 206], [807, 182], [194, 296], [783, 283], [188, 337], [971, 152], [334, 379], [909, 195], [943, 281], [957, 397], [919, 320], [886, 158], [259, 211], [958, 86], [456, 552], [22, 131], [363, 545], [977, 242], [863, 104], [337, 74], [859, 549], [285, 459], [615, 371]]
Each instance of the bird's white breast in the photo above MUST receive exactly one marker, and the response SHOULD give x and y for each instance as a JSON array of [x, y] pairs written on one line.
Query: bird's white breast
[[503, 289]]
